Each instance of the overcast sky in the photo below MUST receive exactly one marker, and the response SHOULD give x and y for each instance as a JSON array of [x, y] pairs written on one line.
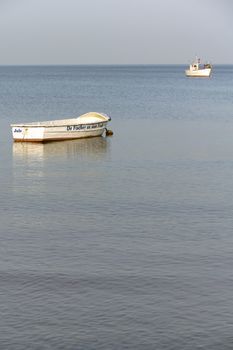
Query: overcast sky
[[115, 31]]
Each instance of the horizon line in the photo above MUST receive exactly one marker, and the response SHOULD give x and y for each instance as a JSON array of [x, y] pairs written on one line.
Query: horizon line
[[101, 64]]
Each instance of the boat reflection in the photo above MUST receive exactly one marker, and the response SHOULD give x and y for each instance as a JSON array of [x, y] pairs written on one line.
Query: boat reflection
[[88, 148], [36, 165]]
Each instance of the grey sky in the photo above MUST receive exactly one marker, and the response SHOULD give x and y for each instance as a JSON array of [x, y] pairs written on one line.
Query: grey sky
[[115, 31]]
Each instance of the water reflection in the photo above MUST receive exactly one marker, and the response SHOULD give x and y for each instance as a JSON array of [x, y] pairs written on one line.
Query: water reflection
[[91, 148], [38, 167]]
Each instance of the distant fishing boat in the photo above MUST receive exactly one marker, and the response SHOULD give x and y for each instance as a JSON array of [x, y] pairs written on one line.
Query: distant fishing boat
[[196, 69], [87, 125]]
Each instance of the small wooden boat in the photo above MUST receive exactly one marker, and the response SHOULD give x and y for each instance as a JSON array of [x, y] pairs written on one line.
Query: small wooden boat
[[87, 125], [198, 70]]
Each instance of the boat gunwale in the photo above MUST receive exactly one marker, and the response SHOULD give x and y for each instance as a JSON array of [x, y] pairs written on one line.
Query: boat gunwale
[[54, 125]]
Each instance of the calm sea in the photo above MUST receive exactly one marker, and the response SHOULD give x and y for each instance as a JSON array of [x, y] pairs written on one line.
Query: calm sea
[[123, 242]]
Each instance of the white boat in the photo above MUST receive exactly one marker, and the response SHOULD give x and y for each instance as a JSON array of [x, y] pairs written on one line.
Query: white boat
[[87, 125], [196, 69]]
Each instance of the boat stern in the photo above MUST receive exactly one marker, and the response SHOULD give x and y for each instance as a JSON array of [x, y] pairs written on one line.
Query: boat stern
[[25, 133]]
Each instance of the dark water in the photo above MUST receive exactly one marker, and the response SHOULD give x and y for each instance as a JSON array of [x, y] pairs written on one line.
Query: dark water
[[123, 242]]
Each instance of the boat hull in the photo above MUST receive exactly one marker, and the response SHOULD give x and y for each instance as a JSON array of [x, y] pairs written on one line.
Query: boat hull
[[200, 73], [88, 125], [43, 134]]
